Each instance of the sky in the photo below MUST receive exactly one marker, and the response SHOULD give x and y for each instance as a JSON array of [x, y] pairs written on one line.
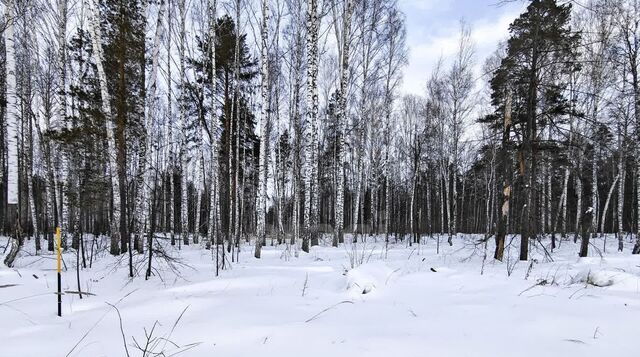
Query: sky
[[433, 29]]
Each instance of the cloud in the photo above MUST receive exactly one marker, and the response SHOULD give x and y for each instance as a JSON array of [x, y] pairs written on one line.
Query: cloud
[[434, 35], [426, 5]]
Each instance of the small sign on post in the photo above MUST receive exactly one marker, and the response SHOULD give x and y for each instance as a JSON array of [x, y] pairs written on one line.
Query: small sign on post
[[59, 260]]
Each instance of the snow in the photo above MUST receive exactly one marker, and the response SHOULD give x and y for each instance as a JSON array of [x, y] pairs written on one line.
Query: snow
[[366, 278], [404, 301]]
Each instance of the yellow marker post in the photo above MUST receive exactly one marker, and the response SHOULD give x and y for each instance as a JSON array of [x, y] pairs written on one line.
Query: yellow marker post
[[59, 260]]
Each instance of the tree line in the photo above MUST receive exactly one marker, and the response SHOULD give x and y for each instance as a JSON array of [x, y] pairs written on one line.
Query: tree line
[[282, 122]]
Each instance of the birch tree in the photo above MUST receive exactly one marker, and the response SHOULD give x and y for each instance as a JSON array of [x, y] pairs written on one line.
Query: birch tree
[[628, 27], [460, 85], [264, 123], [341, 116], [214, 184], [310, 130], [394, 58], [12, 133], [144, 201]]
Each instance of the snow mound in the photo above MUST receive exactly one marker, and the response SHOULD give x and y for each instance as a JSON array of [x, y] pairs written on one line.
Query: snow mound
[[368, 277], [618, 280]]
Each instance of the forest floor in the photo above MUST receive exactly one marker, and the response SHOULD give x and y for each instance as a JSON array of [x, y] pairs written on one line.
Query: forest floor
[[398, 301]]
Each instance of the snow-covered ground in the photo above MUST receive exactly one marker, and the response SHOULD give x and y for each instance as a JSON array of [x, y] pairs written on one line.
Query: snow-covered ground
[[401, 301]]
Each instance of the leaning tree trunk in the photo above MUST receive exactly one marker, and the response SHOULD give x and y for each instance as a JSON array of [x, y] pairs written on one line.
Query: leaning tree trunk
[[606, 204]]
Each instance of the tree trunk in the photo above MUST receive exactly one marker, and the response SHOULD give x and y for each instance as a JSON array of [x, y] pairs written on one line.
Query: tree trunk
[[606, 204], [586, 227], [341, 117], [184, 126], [620, 208], [115, 221], [503, 214], [264, 140]]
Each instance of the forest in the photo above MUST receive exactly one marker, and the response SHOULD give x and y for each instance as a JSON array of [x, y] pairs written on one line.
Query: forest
[[257, 168], [115, 124]]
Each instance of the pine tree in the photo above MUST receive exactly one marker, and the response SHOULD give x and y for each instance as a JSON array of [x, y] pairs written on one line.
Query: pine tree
[[531, 83]]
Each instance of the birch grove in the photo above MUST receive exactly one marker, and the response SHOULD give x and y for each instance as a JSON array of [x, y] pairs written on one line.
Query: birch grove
[[244, 123]]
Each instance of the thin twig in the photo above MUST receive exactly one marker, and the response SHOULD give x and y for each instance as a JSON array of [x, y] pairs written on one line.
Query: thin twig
[[327, 309], [124, 339], [96, 324]]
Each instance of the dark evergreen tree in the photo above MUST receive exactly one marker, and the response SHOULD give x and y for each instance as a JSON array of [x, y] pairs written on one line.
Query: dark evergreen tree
[[84, 136], [123, 28], [236, 117], [529, 94]]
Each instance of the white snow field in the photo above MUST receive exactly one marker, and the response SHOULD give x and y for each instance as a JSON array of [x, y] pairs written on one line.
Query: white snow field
[[401, 301]]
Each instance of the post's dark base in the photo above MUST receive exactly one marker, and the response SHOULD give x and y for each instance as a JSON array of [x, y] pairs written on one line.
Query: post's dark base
[[59, 294]]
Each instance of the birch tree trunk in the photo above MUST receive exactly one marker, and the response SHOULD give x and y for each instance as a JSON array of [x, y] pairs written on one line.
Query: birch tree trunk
[[296, 169], [634, 51], [441, 195], [565, 190], [387, 199], [595, 197], [198, 184], [12, 134], [49, 186], [30, 103], [606, 204], [184, 127], [62, 111], [264, 139], [446, 177], [146, 178], [549, 198], [579, 195], [213, 140], [312, 24], [620, 208], [543, 211], [342, 118], [234, 179], [630, 34], [171, 168], [30, 188], [144, 203]]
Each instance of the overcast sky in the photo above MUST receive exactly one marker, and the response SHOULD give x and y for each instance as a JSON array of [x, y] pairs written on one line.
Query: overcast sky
[[433, 28]]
